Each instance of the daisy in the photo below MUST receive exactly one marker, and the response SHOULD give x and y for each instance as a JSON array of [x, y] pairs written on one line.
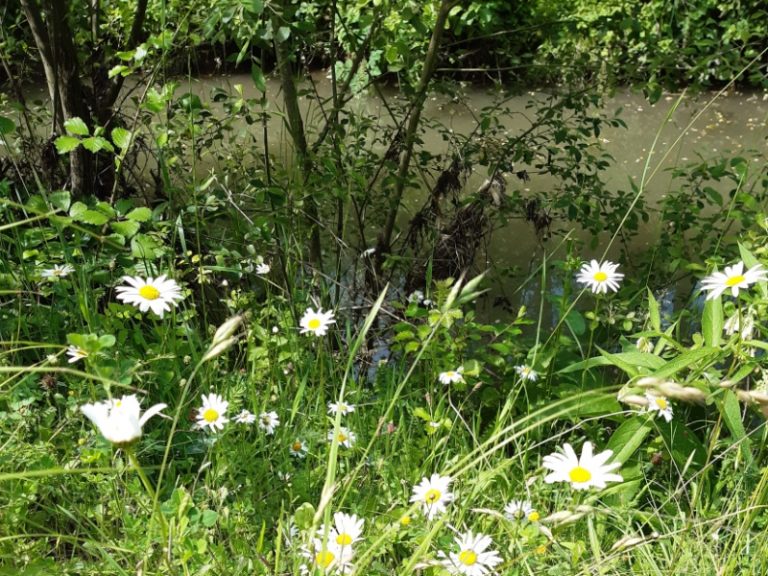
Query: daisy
[[433, 493], [526, 373], [518, 509], [120, 421], [268, 421], [733, 278], [76, 353], [347, 529], [589, 471], [659, 404], [316, 323], [262, 269], [298, 449], [328, 558], [472, 558], [451, 377], [156, 294], [600, 276], [211, 413], [245, 417], [344, 408], [345, 437], [58, 271]]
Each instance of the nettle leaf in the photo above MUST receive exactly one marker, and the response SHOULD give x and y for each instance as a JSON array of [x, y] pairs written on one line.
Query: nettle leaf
[[7, 125], [76, 126], [66, 144], [126, 228], [142, 214], [77, 210], [121, 137], [93, 217]]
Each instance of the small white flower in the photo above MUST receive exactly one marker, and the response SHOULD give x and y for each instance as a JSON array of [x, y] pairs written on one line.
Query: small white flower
[[75, 353], [434, 425], [427, 302], [262, 269], [58, 271], [417, 296], [156, 294], [518, 509], [54, 359], [368, 253], [212, 412], [268, 421], [345, 437], [600, 276], [472, 559], [731, 325], [734, 278], [659, 404], [298, 449], [451, 377], [316, 323], [343, 407], [589, 471], [245, 417], [434, 494], [120, 421], [643, 344], [527, 373]]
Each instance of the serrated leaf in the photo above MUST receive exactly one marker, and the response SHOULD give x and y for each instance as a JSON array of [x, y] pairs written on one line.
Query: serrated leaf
[[97, 143], [93, 217], [76, 126], [77, 209], [143, 246], [126, 228], [142, 214], [60, 200], [7, 125], [66, 144], [121, 138]]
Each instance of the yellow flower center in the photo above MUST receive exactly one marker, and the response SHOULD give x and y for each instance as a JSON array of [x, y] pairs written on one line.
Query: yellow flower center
[[467, 557], [541, 549], [343, 539], [296, 446], [432, 496], [324, 559], [580, 475], [405, 520], [314, 324], [342, 407], [734, 280], [533, 516], [210, 415], [118, 403], [149, 292], [662, 403], [450, 374], [341, 437], [600, 276]]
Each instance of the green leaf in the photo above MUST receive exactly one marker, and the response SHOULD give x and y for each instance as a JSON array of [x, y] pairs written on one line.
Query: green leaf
[[575, 322], [683, 445], [66, 144], [209, 518], [684, 360], [712, 322], [76, 126], [107, 341], [653, 312], [143, 246], [93, 217], [97, 143], [142, 214], [283, 33], [126, 228], [6, 125], [121, 137], [731, 413], [120, 69], [77, 209], [60, 200], [632, 359], [629, 437], [258, 78]]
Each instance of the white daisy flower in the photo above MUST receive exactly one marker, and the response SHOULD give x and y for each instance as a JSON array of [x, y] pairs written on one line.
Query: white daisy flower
[[316, 323], [659, 404], [733, 279], [298, 449], [58, 271], [345, 437], [212, 412], [526, 373], [451, 377], [156, 294], [268, 421], [518, 509], [328, 558], [589, 471], [347, 529], [472, 559], [434, 494], [343, 407], [600, 276], [245, 417], [120, 420], [733, 324], [75, 353], [262, 269]]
